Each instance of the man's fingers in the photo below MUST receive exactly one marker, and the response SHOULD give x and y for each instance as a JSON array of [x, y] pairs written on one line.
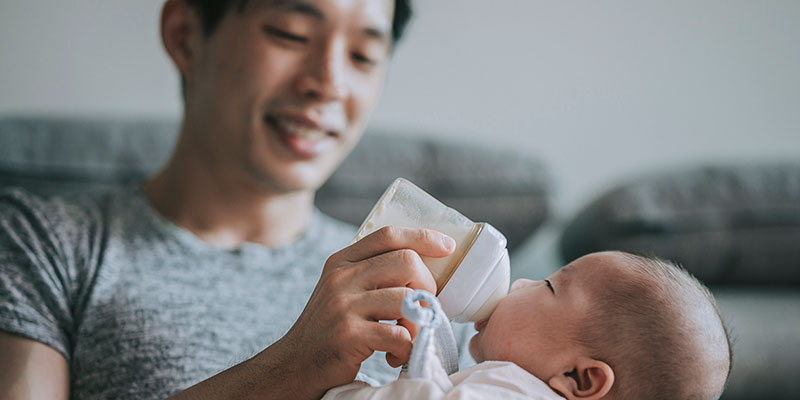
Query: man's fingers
[[382, 304], [387, 305], [425, 242], [395, 361], [394, 340], [411, 327], [399, 268]]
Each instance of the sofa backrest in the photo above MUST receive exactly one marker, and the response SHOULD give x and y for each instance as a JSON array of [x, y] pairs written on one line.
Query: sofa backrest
[[727, 224], [57, 156]]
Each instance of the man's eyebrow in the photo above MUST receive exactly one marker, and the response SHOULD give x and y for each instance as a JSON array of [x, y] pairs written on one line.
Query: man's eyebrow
[[377, 33], [300, 7]]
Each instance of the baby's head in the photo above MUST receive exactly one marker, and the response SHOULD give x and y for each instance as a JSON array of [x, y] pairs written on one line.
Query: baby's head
[[612, 325]]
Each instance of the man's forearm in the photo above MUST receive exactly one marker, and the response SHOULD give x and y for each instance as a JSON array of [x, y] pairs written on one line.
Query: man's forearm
[[270, 374]]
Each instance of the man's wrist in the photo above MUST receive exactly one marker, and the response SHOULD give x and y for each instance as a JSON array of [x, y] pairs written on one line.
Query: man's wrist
[[274, 373], [296, 378]]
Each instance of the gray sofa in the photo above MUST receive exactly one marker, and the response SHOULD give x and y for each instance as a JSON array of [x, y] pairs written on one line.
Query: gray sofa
[[735, 227], [510, 190]]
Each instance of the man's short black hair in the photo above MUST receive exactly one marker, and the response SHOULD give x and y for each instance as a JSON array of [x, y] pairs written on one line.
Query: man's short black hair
[[211, 13]]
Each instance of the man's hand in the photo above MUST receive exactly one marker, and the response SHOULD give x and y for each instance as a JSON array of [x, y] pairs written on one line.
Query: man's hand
[[360, 285]]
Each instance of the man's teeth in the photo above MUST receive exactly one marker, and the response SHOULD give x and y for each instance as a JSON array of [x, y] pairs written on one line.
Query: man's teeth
[[295, 129]]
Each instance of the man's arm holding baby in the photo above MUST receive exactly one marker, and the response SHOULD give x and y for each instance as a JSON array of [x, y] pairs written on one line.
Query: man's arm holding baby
[[337, 331], [360, 285]]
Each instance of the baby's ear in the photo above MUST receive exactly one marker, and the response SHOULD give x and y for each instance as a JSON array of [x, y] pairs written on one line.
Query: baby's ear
[[589, 379]]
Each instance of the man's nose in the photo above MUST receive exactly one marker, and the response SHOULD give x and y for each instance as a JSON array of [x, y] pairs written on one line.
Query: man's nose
[[323, 78], [520, 283]]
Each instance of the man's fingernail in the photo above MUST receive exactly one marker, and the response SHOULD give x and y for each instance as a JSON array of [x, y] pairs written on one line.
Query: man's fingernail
[[448, 242]]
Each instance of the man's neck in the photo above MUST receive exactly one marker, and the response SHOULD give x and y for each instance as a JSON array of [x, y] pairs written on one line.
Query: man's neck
[[223, 212]]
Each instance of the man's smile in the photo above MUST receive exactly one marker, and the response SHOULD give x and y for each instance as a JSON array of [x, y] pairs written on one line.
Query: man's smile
[[306, 137]]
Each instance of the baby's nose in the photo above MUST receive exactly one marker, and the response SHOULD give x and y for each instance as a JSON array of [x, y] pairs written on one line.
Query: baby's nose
[[519, 283]]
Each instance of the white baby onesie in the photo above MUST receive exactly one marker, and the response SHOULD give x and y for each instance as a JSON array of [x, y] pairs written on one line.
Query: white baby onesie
[[426, 377], [487, 380]]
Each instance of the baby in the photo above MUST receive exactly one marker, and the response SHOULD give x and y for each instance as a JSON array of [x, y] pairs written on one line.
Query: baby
[[609, 325]]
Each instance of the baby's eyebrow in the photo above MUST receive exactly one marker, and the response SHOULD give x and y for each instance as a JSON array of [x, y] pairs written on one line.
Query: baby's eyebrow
[[562, 277]]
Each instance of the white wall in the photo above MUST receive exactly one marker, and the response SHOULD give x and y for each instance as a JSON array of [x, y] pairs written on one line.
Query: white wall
[[601, 90], [84, 57]]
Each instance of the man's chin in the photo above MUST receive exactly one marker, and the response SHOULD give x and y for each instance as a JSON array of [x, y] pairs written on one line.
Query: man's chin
[[291, 185], [296, 178]]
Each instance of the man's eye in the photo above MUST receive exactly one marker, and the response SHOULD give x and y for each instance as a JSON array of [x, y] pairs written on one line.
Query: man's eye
[[549, 285], [362, 59], [281, 34]]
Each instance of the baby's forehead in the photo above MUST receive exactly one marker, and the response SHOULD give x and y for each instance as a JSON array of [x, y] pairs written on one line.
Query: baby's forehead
[[595, 270], [604, 263]]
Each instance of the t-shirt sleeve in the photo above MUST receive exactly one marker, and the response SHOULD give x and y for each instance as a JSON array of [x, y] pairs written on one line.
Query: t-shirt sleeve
[[36, 281]]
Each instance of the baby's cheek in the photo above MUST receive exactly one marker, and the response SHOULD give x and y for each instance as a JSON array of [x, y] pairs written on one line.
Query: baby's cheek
[[493, 347]]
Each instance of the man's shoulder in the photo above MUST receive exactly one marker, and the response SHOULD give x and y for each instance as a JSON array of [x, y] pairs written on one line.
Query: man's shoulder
[[70, 217], [20, 204]]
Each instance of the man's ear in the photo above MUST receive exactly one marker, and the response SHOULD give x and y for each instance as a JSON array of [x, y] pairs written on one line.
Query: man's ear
[[589, 379], [181, 34]]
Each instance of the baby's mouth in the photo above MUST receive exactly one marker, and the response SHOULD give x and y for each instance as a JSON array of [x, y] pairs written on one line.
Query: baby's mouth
[[480, 325]]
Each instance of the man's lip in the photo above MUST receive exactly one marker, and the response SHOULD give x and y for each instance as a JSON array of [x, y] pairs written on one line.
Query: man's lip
[[306, 146], [481, 324], [307, 122]]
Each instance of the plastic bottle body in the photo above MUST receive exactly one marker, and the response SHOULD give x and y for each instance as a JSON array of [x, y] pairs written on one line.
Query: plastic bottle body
[[405, 205]]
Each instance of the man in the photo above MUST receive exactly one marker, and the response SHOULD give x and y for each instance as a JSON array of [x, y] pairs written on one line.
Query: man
[[149, 290]]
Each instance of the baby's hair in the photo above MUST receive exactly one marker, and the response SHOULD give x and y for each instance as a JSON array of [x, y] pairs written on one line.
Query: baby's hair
[[660, 331]]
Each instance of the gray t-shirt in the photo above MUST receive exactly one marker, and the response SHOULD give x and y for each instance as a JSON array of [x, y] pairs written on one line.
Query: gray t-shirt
[[142, 308]]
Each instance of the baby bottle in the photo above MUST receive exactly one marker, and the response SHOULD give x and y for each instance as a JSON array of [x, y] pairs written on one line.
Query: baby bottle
[[475, 276]]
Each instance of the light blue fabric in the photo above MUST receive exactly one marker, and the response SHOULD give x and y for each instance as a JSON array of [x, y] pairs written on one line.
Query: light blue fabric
[[435, 337]]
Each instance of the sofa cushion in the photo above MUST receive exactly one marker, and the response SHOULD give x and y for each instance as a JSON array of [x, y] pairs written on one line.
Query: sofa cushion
[[52, 156], [61, 155], [725, 224]]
